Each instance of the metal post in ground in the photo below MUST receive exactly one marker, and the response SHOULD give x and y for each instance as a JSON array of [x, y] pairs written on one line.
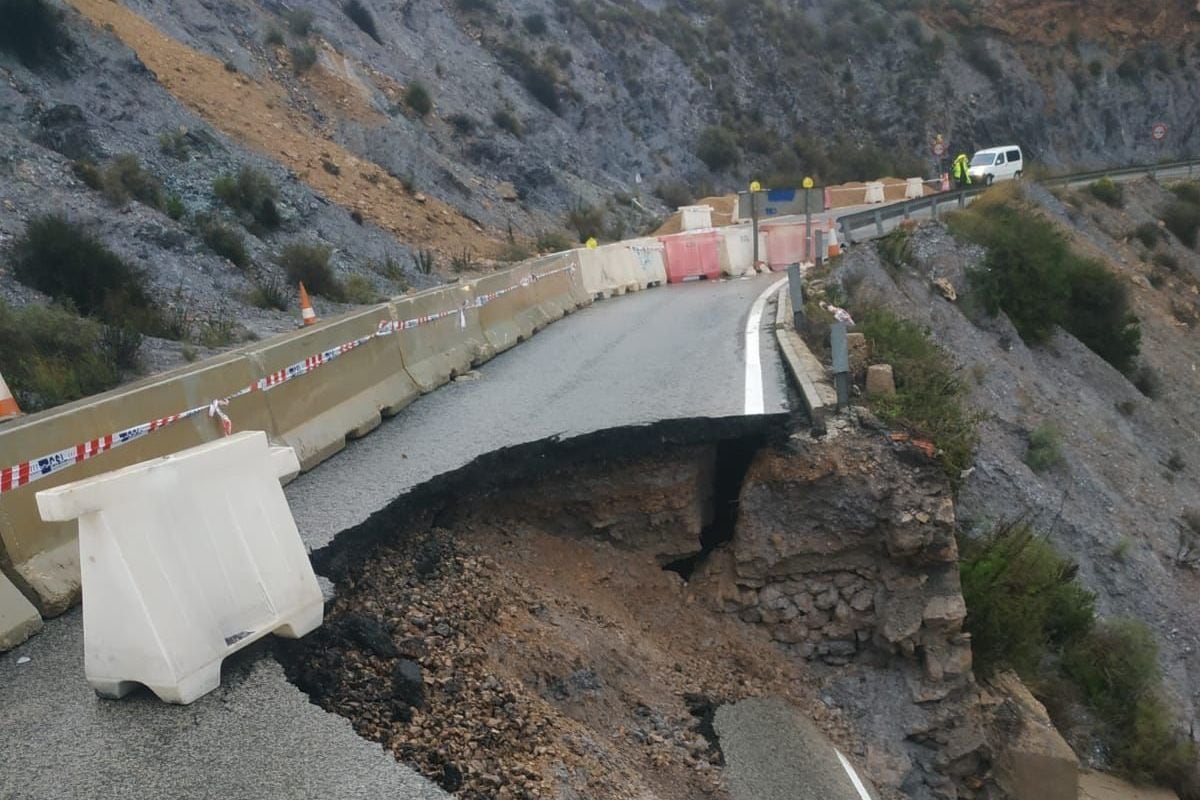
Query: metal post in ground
[[754, 189], [841, 363], [879, 222], [796, 293], [822, 248]]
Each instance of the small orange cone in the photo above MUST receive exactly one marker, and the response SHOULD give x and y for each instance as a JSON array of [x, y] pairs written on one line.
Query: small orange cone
[[8, 405], [307, 315], [835, 249]]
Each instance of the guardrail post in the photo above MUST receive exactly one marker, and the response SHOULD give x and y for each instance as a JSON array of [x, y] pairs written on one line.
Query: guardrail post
[[841, 363], [962, 199], [821, 247], [847, 232], [796, 292], [879, 222]]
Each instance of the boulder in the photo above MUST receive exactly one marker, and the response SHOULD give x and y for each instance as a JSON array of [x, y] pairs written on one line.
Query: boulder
[[1033, 762]]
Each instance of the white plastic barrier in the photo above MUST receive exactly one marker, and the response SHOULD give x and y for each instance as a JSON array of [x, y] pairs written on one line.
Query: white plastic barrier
[[915, 189], [645, 259], [185, 560], [875, 192], [737, 250], [695, 218], [606, 271]]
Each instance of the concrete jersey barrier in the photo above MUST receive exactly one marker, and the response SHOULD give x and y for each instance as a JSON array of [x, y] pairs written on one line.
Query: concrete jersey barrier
[[447, 347], [42, 559], [509, 311], [314, 417]]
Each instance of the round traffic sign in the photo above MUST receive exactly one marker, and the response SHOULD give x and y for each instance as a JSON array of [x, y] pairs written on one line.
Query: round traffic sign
[[808, 183], [939, 148], [1158, 131]]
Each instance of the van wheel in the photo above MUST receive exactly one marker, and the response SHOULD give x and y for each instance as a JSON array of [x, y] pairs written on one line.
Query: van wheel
[[1019, 175], [989, 180]]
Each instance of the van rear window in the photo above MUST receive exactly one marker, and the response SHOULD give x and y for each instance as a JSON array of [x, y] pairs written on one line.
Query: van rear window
[[1014, 155]]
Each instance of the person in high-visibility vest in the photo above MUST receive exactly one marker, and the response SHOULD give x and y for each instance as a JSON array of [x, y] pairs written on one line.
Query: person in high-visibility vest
[[962, 171]]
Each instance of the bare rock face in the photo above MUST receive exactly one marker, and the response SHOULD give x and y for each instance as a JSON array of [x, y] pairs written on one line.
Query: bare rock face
[[1033, 761], [840, 549]]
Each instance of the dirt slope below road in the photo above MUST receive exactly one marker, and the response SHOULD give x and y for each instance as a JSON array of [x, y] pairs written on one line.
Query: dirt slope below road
[[260, 114]]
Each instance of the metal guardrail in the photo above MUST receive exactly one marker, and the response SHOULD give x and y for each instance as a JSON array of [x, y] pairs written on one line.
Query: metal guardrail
[[959, 198]]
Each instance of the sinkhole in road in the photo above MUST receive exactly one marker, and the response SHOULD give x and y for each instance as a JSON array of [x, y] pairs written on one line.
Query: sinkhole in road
[[523, 628]]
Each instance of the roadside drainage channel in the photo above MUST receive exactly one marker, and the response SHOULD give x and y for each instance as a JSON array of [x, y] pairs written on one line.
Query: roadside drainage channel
[[417, 596]]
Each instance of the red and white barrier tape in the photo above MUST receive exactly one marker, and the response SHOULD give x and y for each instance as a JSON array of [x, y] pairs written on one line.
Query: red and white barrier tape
[[18, 475]]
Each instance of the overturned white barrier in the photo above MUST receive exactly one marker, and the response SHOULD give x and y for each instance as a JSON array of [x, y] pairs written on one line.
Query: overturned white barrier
[[185, 560]]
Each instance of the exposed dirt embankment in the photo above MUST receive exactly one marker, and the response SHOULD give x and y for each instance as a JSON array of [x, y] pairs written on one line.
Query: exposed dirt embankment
[[523, 628], [260, 113]]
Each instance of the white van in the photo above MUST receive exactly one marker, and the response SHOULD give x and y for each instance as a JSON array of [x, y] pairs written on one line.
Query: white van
[[997, 164]]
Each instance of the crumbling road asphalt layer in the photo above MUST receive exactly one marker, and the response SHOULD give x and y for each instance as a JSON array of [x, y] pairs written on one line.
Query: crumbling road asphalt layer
[[671, 352]]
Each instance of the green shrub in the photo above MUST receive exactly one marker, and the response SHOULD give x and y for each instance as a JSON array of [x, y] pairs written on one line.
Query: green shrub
[[1108, 192], [175, 144], [1023, 600], [674, 194], [463, 124], [269, 292], [513, 252], [541, 81], [553, 242], [587, 221], [896, 249], [252, 194], [309, 264], [304, 57], [361, 16], [175, 208], [424, 261], [717, 148], [124, 178], [1033, 276], [930, 398], [300, 22], [65, 262], [507, 121], [1045, 448], [360, 291], [1182, 218], [226, 241], [1148, 234], [463, 261], [273, 37], [1167, 261], [52, 356], [1147, 382], [1116, 666], [33, 31], [1188, 191], [91, 175], [417, 97], [535, 24]]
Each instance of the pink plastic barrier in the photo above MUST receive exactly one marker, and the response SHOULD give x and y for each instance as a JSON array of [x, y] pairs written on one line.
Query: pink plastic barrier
[[786, 245], [691, 255]]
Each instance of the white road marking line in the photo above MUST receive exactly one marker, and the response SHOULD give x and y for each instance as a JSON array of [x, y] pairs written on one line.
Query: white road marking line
[[754, 376], [858, 784]]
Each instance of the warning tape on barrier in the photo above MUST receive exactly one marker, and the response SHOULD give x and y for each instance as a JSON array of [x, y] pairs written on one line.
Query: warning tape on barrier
[[19, 475]]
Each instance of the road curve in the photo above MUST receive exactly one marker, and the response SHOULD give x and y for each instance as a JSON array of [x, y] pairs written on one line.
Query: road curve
[[666, 353]]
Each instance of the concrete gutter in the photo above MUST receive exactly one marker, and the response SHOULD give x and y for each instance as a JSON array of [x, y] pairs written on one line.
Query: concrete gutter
[[810, 377]]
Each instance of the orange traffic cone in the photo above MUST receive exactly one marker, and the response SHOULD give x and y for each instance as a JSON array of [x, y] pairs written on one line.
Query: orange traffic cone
[[8, 405], [307, 315], [835, 249]]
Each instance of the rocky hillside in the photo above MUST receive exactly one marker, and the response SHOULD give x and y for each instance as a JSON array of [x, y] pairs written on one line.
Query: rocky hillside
[[406, 141]]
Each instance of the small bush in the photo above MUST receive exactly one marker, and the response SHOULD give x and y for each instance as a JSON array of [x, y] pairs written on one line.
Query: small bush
[[227, 242], [304, 57], [1045, 448], [124, 178], [273, 37], [541, 81], [52, 356], [360, 291], [300, 22], [1022, 599], [975, 52], [424, 262], [463, 124], [1147, 382], [1148, 234], [174, 207], [270, 292], [896, 249], [1175, 462], [1033, 276], [65, 262], [587, 221], [674, 194], [1167, 261], [309, 264], [33, 31], [930, 397], [463, 261], [1182, 218], [417, 98], [513, 252], [1188, 191], [1108, 192], [535, 24], [361, 16], [331, 168], [507, 121], [174, 144], [91, 175], [553, 242], [717, 148], [251, 193]]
